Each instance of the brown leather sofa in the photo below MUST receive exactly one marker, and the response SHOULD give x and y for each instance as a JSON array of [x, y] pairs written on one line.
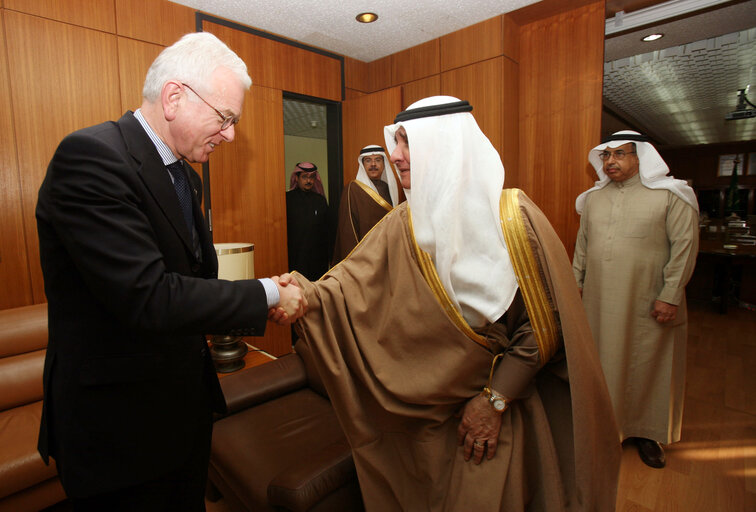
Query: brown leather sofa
[[26, 483], [280, 447]]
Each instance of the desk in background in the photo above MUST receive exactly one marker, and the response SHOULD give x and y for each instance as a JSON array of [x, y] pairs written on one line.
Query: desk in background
[[731, 267]]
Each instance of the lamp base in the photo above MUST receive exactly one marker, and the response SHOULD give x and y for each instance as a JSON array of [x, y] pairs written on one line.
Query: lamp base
[[228, 353]]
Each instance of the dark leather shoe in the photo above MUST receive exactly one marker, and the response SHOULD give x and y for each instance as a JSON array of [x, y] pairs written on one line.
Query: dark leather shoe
[[651, 452]]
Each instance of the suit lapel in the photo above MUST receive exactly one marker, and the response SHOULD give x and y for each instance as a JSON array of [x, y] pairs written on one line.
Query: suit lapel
[[154, 175]]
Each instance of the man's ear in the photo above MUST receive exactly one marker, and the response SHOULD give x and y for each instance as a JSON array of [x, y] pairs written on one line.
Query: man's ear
[[170, 98]]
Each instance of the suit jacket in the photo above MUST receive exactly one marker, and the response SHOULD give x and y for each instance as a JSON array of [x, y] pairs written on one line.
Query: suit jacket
[[307, 219], [127, 374]]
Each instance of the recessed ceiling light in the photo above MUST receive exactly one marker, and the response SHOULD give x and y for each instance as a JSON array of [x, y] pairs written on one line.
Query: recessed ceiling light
[[366, 17], [652, 37]]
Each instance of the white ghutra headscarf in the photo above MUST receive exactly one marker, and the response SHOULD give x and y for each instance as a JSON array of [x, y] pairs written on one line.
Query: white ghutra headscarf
[[362, 175], [456, 184], [652, 168]]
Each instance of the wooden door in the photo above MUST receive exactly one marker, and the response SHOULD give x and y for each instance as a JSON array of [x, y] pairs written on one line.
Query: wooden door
[[363, 120]]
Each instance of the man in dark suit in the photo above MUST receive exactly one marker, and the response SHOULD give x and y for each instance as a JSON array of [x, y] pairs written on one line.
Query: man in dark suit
[[131, 280], [307, 219]]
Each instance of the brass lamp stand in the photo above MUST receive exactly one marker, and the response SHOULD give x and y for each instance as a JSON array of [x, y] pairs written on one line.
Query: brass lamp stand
[[228, 353]]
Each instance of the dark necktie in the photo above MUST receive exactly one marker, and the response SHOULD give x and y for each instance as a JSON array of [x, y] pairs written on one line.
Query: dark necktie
[[181, 184]]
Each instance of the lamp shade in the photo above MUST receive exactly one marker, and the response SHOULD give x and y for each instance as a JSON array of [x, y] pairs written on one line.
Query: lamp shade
[[235, 261]]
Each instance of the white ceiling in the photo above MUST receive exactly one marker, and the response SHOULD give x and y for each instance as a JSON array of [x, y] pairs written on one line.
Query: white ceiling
[[331, 24], [676, 89]]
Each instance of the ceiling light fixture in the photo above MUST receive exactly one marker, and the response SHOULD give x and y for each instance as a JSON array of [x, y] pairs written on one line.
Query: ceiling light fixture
[[366, 17], [652, 37]]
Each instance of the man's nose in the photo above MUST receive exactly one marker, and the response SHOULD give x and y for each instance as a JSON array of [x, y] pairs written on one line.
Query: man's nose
[[229, 134], [395, 155]]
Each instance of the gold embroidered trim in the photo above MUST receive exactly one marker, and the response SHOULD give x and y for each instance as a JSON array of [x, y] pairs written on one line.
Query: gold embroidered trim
[[528, 276], [428, 270], [375, 196]]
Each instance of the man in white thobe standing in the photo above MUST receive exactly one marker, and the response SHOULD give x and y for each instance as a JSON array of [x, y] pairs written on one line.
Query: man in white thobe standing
[[635, 252]]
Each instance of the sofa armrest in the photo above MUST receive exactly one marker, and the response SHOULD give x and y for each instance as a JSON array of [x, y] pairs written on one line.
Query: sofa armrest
[[306, 482], [23, 329], [259, 384]]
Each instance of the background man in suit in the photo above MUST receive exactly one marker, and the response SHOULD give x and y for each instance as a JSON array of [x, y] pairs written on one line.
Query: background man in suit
[[130, 276], [307, 222]]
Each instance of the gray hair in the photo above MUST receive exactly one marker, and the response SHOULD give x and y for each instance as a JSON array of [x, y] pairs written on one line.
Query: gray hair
[[193, 59]]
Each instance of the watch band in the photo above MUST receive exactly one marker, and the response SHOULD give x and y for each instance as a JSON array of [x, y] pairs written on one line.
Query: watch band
[[497, 401]]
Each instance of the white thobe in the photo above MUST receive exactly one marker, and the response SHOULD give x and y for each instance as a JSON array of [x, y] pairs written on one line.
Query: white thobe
[[635, 246]]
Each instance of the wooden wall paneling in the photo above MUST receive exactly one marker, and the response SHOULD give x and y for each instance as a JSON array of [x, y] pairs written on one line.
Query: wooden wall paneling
[[96, 14], [418, 62], [164, 25], [247, 184], [475, 43], [547, 8], [306, 72], [14, 268], [257, 52], [510, 119], [419, 89], [62, 78], [134, 59], [561, 73], [356, 75], [363, 120], [700, 163], [379, 74], [281, 66], [350, 94], [511, 37], [482, 85]]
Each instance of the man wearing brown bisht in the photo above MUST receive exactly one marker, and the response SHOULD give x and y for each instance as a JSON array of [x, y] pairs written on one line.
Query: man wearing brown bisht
[[453, 343], [365, 200]]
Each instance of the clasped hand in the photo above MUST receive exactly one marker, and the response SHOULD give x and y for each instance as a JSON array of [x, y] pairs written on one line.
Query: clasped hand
[[478, 430], [292, 304], [664, 312]]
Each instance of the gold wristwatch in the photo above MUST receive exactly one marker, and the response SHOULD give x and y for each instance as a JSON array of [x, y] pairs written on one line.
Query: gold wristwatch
[[498, 402]]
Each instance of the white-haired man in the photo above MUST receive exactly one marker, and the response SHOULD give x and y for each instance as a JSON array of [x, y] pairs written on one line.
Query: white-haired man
[[457, 387], [365, 201], [635, 252], [130, 276]]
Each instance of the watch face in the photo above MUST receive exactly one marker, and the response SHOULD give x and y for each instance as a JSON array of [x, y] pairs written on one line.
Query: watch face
[[499, 404]]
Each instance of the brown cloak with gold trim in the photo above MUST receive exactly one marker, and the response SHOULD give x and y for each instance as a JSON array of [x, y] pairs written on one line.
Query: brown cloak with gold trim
[[361, 208], [398, 369]]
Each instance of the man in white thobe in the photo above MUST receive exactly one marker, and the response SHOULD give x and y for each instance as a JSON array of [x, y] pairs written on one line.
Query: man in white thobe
[[635, 252]]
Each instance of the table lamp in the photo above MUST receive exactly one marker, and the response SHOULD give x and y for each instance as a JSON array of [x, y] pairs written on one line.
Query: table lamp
[[235, 261]]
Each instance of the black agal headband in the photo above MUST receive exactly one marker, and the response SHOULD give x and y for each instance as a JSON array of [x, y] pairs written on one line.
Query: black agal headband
[[306, 169], [636, 137], [433, 110], [371, 149]]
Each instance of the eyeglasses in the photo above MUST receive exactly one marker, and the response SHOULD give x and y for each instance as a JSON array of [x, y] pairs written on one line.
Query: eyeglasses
[[226, 121], [618, 155]]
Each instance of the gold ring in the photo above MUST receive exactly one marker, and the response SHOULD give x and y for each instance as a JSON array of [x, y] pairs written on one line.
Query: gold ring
[[478, 443]]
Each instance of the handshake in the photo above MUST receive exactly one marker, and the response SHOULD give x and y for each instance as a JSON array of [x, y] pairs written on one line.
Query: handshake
[[292, 304]]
